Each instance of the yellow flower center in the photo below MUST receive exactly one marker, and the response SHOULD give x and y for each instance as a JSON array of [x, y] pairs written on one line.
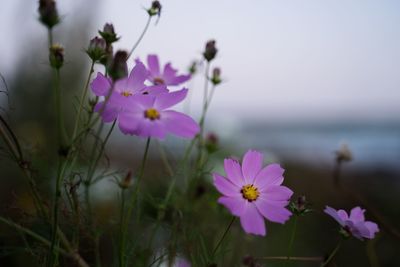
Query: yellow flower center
[[126, 93], [158, 81], [152, 114], [250, 192]]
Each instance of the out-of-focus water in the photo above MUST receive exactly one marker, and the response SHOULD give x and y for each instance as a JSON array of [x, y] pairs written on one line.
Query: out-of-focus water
[[373, 145]]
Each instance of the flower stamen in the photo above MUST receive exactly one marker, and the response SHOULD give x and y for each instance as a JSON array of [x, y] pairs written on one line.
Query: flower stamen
[[126, 93], [250, 192], [158, 81], [152, 114]]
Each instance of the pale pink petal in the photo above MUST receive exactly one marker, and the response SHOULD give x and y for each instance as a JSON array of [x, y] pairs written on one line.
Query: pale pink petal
[[179, 124], [251, 165], [234, 172], [252, 221]]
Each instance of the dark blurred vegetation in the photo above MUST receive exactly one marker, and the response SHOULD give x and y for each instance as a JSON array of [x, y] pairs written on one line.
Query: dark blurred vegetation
[[193, 217]]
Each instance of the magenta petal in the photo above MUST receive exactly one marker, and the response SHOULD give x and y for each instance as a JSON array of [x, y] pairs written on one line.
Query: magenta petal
[[100, 85], [225, 187], [357, 215], [154, 90], [137, 77], [343, 215], [252, 221], [234, 172], [276, 192], [272, 212], [153, 64], [235, 205], [334, 214], [108, 113], [179, 124], [148, 128], [167, 100], [251, 165], [270, 175], [169, 74], [180, 79], [128, 122]]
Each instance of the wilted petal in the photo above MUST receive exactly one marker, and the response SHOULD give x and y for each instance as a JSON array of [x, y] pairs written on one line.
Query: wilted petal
[[251, 165]]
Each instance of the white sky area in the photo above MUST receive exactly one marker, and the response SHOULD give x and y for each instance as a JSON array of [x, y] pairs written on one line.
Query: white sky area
[[282, 60]]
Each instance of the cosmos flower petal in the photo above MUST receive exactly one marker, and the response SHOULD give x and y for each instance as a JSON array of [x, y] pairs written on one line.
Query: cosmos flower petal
[[169, 73], [154, 90], [234, 172], [236, 206], [372, 229], [251, 165], [333, 213], [164, 101], [100, 85], [252, 221], [357, 215], [153, 64], [226, 187], [270, 175], [180, 79], [128, 122], [271, 212], [343, 215], [179, 124], [148, 128], [276, 192], [137, 77]]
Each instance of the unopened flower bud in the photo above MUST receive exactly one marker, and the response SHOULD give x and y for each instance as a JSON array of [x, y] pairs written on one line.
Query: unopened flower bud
[[107, 58], [56, 56], [216, 76], [48, 14], [127, 181], [210, 51], [193, 67], [344, 153], [155, 9], [211, 143], [109, 34], [300, 206], [97, 49], [118, 67]]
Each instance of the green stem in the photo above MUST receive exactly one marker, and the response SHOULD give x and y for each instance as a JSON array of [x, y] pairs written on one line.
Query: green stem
[[140, 37], [82, 100], [121, 233], [290, 248], [223, 237], [133, 200], [333, 253]]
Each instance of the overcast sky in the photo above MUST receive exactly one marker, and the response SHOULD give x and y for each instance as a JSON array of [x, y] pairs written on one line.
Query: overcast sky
[[309, 59]]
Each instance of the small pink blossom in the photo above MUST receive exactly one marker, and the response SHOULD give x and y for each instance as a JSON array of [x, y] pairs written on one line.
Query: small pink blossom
[[355, 224], [252, 192]]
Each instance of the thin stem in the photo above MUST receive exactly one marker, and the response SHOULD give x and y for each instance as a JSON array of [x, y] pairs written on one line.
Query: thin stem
[[223, 237], [317, 259], [133, 200], [82, 100], [140, 37], [292, 240], [50, 37], [333, 253], [121, 233]]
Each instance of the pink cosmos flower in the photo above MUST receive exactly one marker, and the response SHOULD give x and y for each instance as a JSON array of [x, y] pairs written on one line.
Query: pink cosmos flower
[[150, 116], [355, 224], [123, 89], [252, 192], [167, 77]]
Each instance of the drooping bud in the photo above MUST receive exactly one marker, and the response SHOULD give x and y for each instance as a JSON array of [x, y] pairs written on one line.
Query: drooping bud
[[344, 153], [127, 181], [155, 9], [300, 206], [216, 76], [210, 51], [118, 67], [48, 14], [109, 34], [56, 56], [97, 49], [211, 143]]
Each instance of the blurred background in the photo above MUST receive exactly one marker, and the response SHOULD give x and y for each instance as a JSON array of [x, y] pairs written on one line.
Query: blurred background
[[300, 78]]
